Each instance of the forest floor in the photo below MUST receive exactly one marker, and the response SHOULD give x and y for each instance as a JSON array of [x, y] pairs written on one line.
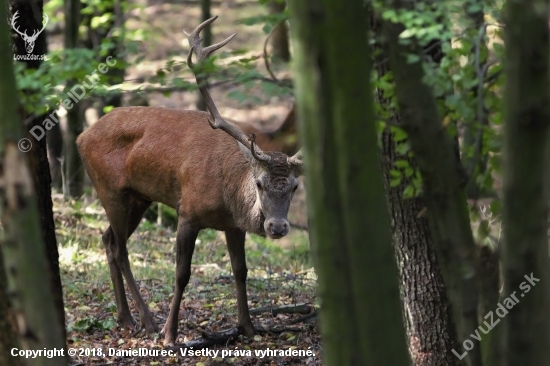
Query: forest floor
[[280, 273]]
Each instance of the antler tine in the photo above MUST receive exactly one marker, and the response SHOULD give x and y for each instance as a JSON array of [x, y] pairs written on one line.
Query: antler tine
[[218, 121], [253, 146], [297, 160], [13, 19]]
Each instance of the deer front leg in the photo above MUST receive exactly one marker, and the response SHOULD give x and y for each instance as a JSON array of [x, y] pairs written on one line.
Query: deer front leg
[[235, 245], [185, 246]]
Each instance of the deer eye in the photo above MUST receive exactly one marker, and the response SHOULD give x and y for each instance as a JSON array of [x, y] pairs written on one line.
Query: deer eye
[[259, 185], [295, 188]]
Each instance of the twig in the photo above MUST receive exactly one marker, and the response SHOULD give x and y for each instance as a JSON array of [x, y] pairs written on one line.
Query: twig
[[209, 340], [299, 227], [304, 318], [279, 329], [284, 309]]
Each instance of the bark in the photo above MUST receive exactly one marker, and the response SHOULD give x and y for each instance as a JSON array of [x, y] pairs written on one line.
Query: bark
[[74, 170], [8, 336], [349, 229], [526, 334], [30, 14], [426, 310], [22, 246], [443, 180], [54, 140]]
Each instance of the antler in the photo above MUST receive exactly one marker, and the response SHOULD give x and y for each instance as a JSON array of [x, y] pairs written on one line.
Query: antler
[[218, 121], [297, 160], [15, 16], [44, 23]]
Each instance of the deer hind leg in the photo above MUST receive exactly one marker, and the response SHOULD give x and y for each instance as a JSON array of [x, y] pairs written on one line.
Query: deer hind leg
[[124, 215], [124, 316], [235, 245], [185, 246]]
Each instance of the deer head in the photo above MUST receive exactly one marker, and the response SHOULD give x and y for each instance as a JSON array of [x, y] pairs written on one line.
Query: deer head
[[274, 174], [29, 40]]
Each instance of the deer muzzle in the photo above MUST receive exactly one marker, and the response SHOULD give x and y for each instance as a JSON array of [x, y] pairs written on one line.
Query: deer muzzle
[[276, 228]]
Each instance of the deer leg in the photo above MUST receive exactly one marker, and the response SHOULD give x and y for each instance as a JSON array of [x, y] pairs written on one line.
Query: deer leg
[[235, 245], [124, 316], [124, 215], [185, 246]]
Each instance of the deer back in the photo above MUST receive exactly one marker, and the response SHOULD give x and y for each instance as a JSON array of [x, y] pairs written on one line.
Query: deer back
[[165, 155]]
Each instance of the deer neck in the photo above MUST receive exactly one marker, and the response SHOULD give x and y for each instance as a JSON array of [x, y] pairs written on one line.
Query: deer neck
[[246, 208]]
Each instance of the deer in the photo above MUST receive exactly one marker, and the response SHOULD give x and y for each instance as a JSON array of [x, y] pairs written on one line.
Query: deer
[[204, 167]]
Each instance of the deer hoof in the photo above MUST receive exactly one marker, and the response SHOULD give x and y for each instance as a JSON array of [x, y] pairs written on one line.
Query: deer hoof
[[127, 321], [150, 327]]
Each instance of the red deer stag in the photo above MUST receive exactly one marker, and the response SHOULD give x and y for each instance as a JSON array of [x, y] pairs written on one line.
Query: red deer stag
[[201, 165]]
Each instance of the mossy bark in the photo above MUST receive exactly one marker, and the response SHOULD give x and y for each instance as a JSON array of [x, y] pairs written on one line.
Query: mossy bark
[[361, 321], [527, 120], [74, 170], [22, 245], [30, 14]]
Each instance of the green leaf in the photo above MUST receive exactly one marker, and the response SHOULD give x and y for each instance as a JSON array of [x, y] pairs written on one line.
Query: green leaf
[[395, 182], [402, 163], [408, 192], [412, 58], [407, 33], [395, 173]]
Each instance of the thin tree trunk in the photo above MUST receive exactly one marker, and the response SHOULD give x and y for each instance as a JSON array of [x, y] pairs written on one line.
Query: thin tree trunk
[[54, 140], [22, 246], [206, 41], [30, 14], [526, 266], [74, 170], [361, 320], [443, 181]]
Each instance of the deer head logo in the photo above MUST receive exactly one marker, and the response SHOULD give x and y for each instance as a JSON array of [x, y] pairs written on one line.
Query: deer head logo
[[29, 40]]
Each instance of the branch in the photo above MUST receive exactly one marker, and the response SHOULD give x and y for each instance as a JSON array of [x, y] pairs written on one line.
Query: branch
[[284, 309]]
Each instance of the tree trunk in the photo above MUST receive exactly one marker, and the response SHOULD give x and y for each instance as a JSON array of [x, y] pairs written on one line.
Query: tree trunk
[[22, 246], [361, 320], [74, 170], [8, 336], [426, 311], [54, 140], [30, 14], [525, 262], [443, 180]]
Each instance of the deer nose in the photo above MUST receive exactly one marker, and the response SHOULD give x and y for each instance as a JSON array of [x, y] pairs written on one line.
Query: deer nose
[[276, 228]]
